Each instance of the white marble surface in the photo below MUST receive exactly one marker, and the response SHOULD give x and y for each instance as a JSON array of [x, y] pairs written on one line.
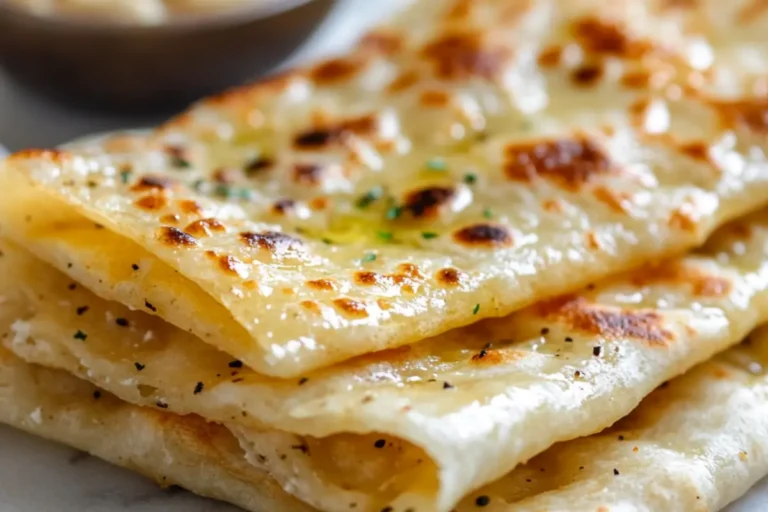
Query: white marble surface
[[38, 476]]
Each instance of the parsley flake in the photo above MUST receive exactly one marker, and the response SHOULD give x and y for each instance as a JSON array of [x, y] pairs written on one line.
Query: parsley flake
[[385, 236], [369, 197], [487, 213], [470, 178], [80, 335], [476, 309], [429, 235], [394, 212], [369, 257], [125, 175], [436, 164]]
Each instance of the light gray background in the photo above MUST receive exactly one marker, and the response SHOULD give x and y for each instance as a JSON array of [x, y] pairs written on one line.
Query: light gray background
[[38, 476]]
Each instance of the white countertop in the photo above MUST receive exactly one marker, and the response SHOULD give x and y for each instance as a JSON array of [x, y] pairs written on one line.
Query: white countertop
[[38, 476]]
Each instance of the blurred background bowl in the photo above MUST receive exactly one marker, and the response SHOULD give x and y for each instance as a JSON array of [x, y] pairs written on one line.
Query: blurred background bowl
[[120, 67]]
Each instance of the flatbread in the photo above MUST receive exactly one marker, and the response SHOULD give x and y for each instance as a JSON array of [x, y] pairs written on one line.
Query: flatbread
[[170, 449], [422, 425], [462, 163], [696, 444]]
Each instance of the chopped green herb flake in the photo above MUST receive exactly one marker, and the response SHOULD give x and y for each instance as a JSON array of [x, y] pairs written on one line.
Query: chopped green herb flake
[[179, 162], [369, 257], [470, 178], [228, 192], [476, 309], [80, 335], [487, 213], [386, 236], [436, 164], [369, 197], [429, 235], [327, 241], [125, 176], [394, 212]]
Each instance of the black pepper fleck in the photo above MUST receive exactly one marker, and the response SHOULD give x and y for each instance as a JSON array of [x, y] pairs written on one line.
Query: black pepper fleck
[[303, 381], [544, 331], [96, 394], [81, 310], [235, 364], [198, 388], [596, 351], [161, 405], [135, 267], [380, 443], [568, 339], [80, 335], [139, 366], [482, 501], [447, 385], [122, 322], [149, 306], [615, 472]]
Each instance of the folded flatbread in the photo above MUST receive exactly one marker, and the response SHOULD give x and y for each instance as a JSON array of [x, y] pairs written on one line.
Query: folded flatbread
[[421, 426], [170, 449], [697, 443], [462, 163]]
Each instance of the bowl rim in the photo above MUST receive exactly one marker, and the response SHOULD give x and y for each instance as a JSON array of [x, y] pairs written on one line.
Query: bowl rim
[[248, 12]]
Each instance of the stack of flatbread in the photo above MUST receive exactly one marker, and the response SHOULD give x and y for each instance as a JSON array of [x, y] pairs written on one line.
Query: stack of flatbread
[[447, 271]]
